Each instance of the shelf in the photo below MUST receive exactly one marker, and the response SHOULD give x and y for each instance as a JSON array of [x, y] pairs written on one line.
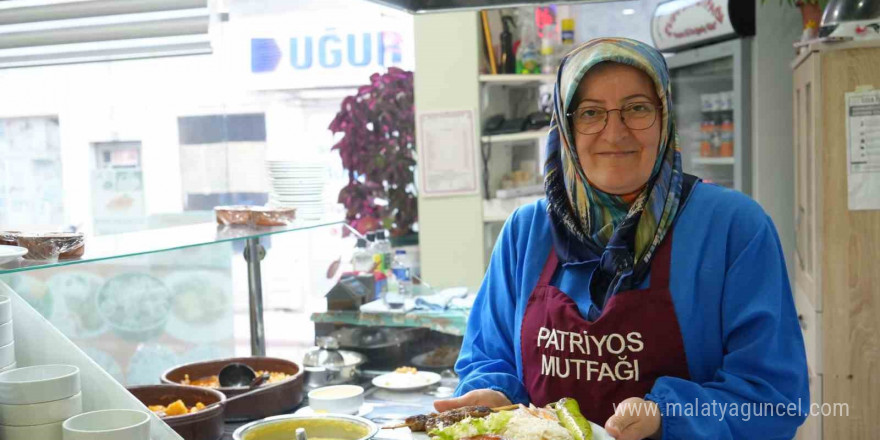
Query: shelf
[[713, 161], [532, 135], [517, 80], [498, 210], [108, 247]]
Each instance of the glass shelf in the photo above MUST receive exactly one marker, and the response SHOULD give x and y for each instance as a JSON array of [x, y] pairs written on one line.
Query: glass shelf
[[108, 247]]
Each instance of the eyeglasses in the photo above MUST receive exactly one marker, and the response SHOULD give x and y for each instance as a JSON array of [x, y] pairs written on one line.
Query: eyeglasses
[[592, 120]]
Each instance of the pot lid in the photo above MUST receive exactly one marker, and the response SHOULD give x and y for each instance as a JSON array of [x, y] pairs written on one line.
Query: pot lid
[[326, 354]]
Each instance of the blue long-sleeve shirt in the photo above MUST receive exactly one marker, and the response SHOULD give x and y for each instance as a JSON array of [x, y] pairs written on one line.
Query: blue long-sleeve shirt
[[733, 302]]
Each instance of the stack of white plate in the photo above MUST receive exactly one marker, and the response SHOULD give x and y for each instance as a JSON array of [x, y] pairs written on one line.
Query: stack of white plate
[[298, 185], [7, 340], [35, 401]]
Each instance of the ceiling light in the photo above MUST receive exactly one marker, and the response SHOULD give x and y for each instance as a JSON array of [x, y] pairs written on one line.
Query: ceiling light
[[629, 11]]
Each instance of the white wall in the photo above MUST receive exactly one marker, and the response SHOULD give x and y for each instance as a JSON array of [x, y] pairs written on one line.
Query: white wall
[[772, 144]]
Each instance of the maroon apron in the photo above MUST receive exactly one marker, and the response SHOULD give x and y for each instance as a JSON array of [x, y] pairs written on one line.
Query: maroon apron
[[634, 341]]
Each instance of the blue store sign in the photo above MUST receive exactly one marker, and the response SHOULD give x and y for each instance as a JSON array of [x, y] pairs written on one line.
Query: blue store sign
[[327, 51]]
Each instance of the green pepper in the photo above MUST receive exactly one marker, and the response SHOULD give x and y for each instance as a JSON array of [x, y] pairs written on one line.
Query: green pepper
[[570, 417]]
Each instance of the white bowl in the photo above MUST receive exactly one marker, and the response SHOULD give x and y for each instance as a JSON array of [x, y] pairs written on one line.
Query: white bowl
[[38, 384], [41, 413], [49, 431], [109, 424], [5, 309], [6, 333], [7, 355], [339, 399]]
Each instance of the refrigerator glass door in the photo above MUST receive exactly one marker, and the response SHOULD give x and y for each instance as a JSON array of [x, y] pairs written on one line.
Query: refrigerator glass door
[[704, 107]]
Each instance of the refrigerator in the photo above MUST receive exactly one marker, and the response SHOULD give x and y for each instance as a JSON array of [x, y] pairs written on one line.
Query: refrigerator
[[711, 92], [708, 48]]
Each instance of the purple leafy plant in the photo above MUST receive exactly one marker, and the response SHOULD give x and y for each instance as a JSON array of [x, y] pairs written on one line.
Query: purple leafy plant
[[378, 151]]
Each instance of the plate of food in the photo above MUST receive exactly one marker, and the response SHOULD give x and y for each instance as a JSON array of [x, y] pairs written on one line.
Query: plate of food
[[558, 421], [405, 379]]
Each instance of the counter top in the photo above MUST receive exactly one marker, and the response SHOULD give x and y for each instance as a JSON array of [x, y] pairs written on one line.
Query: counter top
[[389, 407]]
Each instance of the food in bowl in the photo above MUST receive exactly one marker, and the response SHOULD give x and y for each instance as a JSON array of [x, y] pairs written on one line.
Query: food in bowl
[[340, 399], [330, 427], [214, 381], [176, 408]]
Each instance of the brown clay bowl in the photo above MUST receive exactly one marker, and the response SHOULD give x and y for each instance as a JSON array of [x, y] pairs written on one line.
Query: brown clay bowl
[[279, 399], [203, 425]]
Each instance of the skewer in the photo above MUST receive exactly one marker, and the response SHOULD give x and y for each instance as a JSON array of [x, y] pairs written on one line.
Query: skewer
[[498, 409], [402, 425]]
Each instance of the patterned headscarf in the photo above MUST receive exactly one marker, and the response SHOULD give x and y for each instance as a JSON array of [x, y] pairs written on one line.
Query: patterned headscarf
[[588, 223]]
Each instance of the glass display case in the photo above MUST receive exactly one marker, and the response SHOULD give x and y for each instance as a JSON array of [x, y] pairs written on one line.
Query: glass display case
[[141, 303]]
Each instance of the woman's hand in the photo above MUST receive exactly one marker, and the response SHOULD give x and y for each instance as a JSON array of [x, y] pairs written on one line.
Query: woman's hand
[[635, 419], [484, 397]]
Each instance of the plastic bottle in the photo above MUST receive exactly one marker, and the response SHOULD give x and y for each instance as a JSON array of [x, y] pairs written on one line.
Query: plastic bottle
[[568, 32], [528, 55], [402, 272], [706, 129], [362, 259], [549, 42], [383, 247], [508, 56]]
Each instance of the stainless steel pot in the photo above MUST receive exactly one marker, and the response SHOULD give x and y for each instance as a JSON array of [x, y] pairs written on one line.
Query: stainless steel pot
[[348, 372]]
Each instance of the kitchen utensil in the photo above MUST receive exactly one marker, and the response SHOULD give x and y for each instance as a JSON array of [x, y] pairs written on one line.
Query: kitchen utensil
[[206, 424], [49, 431], [37, 384], [110, 424], [850, 18], [267, 400], [41, 413], [236, 374], [339, 399], [325, 426], [406, 381]]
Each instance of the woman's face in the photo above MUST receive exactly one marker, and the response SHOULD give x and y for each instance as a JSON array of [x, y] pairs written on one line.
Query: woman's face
[[617, 159]]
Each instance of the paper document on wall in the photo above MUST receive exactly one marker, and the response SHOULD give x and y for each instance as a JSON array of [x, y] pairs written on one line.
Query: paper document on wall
[[863, 149], [446, 153]]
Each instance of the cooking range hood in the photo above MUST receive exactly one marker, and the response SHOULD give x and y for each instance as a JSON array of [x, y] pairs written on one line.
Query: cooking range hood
[[424, 6]]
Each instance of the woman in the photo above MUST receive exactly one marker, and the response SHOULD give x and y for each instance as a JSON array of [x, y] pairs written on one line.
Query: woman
[[658, 302]]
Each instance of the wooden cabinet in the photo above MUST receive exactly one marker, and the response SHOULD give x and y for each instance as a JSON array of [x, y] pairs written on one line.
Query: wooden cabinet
[[836, 276]]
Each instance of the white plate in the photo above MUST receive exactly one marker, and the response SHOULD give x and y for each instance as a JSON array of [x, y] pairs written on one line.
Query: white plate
[[406, 381], [11, 253], [365, 409]]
